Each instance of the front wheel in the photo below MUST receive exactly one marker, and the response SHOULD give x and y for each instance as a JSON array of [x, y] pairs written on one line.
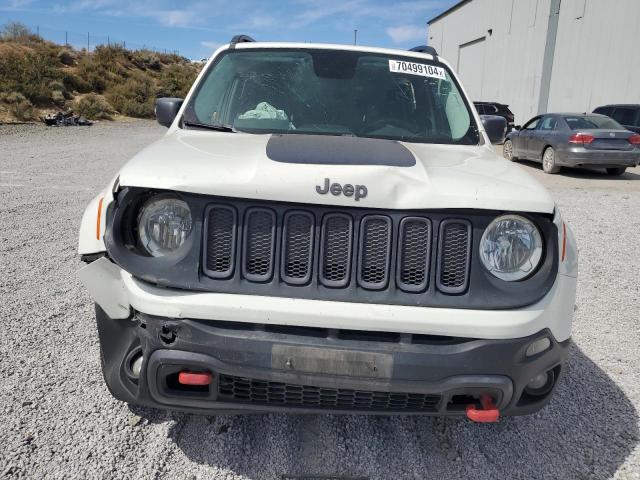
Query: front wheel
[[549, 161], [507, 150], [616, 170]]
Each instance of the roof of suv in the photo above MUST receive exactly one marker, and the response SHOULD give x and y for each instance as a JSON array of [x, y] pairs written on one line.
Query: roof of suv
[[626, 105]]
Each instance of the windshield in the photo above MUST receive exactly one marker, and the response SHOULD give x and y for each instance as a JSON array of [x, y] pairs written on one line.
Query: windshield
[[333, 92], [592, 122]]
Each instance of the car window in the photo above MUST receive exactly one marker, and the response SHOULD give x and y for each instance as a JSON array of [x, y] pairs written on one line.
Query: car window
[[531, 124], [592, 122], [626, 116], [333, 92], [491, 109], [548, 123], [479, 108], [604, 111]]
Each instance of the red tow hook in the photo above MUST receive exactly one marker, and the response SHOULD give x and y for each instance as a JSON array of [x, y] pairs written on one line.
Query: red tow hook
[[488, 414], [194, 378]]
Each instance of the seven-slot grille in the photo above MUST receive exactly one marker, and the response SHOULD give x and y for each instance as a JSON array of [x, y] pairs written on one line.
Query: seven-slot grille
[[247, 390], [336, 250]]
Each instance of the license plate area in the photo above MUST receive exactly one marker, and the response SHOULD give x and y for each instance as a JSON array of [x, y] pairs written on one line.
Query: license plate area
[[330, 361]]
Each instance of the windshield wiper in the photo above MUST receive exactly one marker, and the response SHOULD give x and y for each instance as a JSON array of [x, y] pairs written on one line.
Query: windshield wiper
[[211, 126]]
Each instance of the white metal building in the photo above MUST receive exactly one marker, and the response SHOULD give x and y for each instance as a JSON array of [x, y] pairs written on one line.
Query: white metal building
[[543, 55]]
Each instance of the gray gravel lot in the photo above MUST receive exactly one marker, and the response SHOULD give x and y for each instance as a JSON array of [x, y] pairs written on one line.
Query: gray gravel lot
[[59, 421]]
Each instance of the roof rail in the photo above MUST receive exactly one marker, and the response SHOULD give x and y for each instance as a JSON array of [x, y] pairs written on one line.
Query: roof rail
[[240, 39], [425, 49]]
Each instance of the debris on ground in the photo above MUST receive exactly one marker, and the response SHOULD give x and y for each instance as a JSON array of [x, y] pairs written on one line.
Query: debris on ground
[[65, 119]]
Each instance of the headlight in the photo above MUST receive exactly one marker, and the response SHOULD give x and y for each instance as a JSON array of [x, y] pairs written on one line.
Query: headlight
[[511, 247], [164, 224]]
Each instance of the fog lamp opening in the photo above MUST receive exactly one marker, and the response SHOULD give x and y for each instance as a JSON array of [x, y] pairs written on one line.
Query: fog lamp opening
[[538, 346]]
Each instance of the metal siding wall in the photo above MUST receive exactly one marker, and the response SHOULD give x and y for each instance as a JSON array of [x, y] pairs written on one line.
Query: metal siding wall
[[513, 52], [597, 59]]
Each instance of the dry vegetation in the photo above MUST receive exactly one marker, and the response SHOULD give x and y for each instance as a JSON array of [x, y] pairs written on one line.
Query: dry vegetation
[[37, 76]]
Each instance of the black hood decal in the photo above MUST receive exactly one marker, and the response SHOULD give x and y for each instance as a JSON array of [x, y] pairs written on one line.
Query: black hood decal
[[333, 150]]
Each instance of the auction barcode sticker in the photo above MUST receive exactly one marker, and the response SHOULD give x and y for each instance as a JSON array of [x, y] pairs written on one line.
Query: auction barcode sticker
[[416, 69]]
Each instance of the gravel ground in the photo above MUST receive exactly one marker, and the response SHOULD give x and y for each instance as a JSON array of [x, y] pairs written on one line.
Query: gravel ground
[[59, 421]]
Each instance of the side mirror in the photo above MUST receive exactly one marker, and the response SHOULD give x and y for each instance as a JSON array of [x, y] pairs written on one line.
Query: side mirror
[[517, 127], [167, 109], [495, 126]]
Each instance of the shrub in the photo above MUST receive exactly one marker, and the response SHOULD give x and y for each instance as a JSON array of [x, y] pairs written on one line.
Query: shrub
[[145, 59], [73, 82], [67, 57], [29, 71], [94, 107], [135, 97], [22, 110], [18, 32], [12, 97], [92, 73], [176, 80]]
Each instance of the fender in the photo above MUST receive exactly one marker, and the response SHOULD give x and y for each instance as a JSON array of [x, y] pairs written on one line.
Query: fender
[[93, 224]]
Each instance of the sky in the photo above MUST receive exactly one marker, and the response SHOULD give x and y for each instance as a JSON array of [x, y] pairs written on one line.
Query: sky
[[196, 28]]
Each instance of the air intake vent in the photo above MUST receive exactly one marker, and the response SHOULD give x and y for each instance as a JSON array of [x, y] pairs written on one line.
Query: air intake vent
[[262, 392], [413, 254], [375, 252], [220, 241], [259, 243], [455, 254], [337, 237], [297, 248]]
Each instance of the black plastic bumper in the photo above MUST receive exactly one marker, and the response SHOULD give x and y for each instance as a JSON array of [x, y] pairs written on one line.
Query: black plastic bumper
[[258, 368]]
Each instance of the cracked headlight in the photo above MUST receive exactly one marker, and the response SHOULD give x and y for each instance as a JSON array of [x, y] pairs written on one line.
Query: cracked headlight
[[511, 248], [164, 225]]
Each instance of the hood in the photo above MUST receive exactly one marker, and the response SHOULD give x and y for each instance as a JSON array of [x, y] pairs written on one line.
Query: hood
[[237, 165]]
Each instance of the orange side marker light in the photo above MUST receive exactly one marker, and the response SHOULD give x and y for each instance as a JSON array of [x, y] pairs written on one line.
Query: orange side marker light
[[99, 219]]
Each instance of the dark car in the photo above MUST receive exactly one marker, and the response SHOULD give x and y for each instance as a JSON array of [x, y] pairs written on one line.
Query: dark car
[[495, 108], [626, 115], [574, 140]]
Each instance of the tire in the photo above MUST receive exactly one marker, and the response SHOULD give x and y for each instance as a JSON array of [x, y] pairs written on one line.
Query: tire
[[616, 170], [507, 150], [549, 161]]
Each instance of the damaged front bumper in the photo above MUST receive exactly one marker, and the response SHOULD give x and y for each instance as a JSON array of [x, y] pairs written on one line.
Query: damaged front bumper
[[265, 354], [261, 368]]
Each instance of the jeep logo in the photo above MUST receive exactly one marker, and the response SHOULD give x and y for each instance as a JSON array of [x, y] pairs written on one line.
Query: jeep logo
[[348, 190]]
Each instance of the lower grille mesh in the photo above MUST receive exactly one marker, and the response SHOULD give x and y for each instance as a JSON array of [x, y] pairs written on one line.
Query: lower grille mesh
[[246, 390]]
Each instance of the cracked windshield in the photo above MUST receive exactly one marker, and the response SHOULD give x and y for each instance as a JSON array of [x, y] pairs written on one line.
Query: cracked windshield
[[327, 92]]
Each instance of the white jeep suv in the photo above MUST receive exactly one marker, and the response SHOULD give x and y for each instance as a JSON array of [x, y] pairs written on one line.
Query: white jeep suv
[[328, 228]]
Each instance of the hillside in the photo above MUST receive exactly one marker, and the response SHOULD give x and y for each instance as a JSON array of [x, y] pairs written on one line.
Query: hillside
[[38, 76]]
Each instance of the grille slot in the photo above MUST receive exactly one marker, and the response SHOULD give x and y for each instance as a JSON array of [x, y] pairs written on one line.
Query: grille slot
[[375, 252], [455, 255], [413, 254], [336, 246], [297, 247], [246, 390], [259, 243], [220, 241]]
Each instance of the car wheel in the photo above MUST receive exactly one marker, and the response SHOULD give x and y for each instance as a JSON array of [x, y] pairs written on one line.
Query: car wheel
[[549, 161], [507, 150], [616, 170]]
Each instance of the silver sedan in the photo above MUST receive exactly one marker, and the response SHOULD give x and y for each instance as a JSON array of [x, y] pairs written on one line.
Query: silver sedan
[[574, 140]]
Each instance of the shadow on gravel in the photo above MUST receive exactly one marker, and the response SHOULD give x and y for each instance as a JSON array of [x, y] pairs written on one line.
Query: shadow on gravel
[[583, 173], [587, 431]]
